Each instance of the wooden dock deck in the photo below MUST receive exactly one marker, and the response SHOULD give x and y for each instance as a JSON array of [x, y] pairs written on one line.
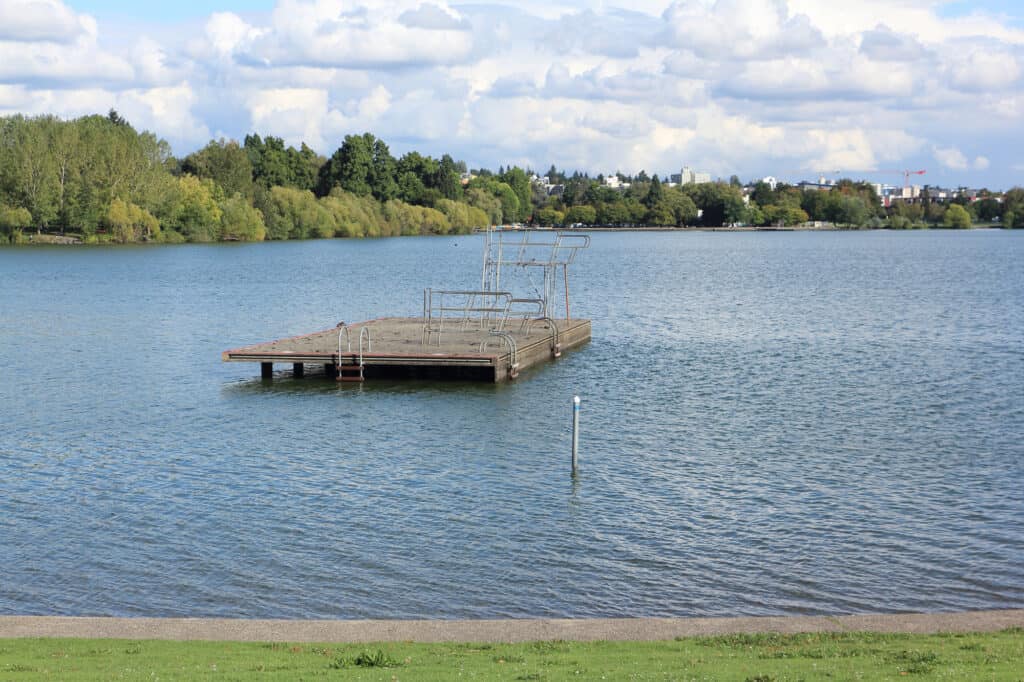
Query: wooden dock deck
[[398, 347]]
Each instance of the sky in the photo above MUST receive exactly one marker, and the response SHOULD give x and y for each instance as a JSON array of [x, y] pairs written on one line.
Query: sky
[[789, 88]]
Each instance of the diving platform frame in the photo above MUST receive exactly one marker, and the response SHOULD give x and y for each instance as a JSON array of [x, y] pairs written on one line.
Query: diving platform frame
[[487, 334]]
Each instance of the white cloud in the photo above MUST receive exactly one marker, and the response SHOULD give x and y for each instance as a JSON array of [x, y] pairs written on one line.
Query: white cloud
[[330, 33], [884, 44], [42, 20], [745, 86], [226, 31], [164, 109], [951, 157], [980, 69], [432, 18], [740, 28], [47, 64]]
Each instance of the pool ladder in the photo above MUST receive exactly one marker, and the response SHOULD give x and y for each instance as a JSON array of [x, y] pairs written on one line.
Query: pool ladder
[[354, 371]]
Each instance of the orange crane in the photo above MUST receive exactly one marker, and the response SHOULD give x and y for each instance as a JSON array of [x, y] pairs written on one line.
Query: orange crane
[[905, 173]]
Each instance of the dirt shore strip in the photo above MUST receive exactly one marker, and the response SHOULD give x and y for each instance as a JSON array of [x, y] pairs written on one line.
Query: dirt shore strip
[[492, 630]]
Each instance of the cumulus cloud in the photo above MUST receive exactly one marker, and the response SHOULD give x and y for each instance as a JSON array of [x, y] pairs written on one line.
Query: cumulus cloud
[[983, 69], [44, 44], [46, 64], [612, 33], [740, 28], [745, 86], [331, 34], [951, 157], [42, 20], [432, 18], [884, 44], [226, 32]]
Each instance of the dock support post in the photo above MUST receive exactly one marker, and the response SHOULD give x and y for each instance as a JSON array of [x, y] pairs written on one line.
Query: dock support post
[[298, 369], [331, 370], [267, 370], [575, 433]]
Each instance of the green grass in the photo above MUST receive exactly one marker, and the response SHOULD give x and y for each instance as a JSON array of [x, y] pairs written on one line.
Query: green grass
[[760, 658]]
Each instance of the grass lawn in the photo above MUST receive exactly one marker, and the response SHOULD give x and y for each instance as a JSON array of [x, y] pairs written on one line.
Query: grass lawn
[[819, 656]]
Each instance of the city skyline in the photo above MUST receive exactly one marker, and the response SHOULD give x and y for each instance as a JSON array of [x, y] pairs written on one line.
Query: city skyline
[[746, 87]]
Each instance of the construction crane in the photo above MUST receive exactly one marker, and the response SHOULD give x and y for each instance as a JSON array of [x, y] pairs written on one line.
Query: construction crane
[[905, 173]]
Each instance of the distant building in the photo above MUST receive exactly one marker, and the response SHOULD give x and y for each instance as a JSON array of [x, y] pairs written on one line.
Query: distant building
[[912, 192], [614, 182], [770, 181], [688, 176], [820, 186]]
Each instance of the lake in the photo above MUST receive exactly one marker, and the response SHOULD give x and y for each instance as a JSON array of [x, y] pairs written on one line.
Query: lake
[[772, 423]]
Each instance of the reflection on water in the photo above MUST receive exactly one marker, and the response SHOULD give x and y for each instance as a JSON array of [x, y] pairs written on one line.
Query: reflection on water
[[771, 423]]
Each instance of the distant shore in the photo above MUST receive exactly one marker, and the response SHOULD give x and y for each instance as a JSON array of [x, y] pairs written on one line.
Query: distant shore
[[34, 238]]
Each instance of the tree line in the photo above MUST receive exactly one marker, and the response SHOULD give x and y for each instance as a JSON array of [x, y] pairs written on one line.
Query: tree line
[[100, 179]]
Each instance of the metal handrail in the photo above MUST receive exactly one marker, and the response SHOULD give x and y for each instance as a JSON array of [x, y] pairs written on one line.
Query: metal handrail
[[343, 331], [513, 350], [364, 331], [493, 307], [556, 346], [538, 303]]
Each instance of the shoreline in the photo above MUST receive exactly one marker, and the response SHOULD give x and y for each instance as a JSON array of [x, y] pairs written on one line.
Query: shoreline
[[505, 631], [45, 239]]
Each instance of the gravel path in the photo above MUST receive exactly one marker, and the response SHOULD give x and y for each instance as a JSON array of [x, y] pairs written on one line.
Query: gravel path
[[492, 630]]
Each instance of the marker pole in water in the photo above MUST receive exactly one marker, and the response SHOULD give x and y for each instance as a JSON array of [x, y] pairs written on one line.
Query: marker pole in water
[[575, 433]]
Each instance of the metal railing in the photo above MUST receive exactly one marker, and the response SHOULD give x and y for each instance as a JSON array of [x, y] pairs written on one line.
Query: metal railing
[[526, 252], [487, 310], [513, 350]]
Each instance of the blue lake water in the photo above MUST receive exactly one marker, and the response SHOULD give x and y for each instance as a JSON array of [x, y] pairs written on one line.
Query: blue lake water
[[772, 423]]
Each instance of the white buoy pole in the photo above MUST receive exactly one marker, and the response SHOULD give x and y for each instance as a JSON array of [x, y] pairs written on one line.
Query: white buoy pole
[[575, 433]]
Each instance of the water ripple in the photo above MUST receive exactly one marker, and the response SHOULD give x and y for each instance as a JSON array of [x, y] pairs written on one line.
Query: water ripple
[[772, 424]]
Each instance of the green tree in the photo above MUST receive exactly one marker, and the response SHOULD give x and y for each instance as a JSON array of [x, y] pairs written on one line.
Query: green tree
[[612, 212], [654, 194], [350, 167], [13, 220], [224, 162], [196, 215], [721, 203], [1013, 208], [241, 221], [291, 213], [383, 183], [516, 178], [581, 214], [754, 215], [486, 202], [462, 217], [934, 212], [502, 192], [129, 223], [763, 194], [410, 219], [448, 181], [275, 165], [988, 209], [32, 169], [784, 214], [549, 216], [956, 217]]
